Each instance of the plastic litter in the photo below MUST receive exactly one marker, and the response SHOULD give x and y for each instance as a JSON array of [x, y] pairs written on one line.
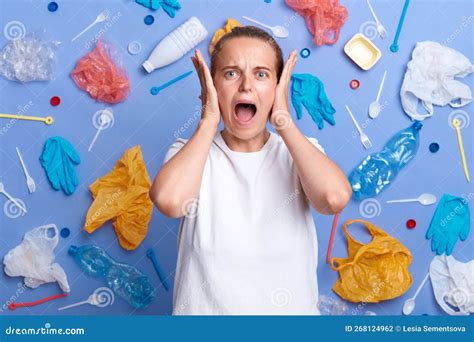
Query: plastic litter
[[125, 280], [362, 51], [374, 108], [305, 53], [176, 44], [229, 25], [354, 84], [394, 46], [457, 127], [134, 47], [332, 306], [55, 101], [278, 30], [374, 271], [106, 118], [411, 224], [65, 232], [28, 59], [149, 19], [308, 91], [409, 304], [29, 180], [423, 199], [324, 18], [34, 259], [150, 253], [156, 90], [100, 74], [376, 172], [434, 147], [380, 28], [15, 305], [102, 16], [364, 138], [122, 196], [101, 297], [450, 222], [331, 239], [58, 160], [47, 120], [10, 198], [53, 6], [169, 6]]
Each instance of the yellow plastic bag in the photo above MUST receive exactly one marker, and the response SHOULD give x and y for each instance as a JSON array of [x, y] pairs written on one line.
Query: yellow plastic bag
[[229, 25], [122, 196], [373, 272]]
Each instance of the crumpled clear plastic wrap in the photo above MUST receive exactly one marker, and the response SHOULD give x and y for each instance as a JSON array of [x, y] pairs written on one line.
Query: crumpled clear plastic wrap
[[28, 59], [101, 75]]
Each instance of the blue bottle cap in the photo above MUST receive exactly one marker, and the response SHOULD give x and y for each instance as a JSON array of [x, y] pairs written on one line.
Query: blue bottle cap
[[149, 19], [305, 53], [53, 6], [73, 250], [417, 125], [65, 232], [434, 147]]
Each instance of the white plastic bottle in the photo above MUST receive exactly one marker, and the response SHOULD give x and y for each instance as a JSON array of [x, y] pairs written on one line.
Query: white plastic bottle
[[176, 44]]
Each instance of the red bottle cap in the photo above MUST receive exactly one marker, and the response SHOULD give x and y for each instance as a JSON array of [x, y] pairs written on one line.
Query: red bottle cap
[[411, 224], [55, 101], [355, 84]]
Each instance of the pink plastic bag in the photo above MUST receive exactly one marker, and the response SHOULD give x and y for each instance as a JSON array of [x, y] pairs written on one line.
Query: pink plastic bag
[[324, 18], [97, 74]]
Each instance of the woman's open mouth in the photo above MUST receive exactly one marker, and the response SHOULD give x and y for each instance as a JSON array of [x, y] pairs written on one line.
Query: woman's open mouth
[[244, 112]]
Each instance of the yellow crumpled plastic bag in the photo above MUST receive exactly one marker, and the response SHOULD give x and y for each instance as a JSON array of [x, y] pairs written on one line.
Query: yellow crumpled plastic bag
[[375, 271], [122, 196], [229, 25]]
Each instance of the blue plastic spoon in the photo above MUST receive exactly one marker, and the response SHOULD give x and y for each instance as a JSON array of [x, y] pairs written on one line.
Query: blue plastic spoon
[[394, 46], [156, 90]]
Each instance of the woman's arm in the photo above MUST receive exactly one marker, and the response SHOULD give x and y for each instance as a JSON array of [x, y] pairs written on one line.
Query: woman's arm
[[179, 180], [323, 182]]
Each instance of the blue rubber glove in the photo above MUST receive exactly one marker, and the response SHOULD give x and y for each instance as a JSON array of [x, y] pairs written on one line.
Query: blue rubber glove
[[450, 221], [58, 160], [169, 6], [308, 90]]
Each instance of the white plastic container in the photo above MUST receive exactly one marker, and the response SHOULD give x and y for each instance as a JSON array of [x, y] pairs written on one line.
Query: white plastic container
[[176, 44]]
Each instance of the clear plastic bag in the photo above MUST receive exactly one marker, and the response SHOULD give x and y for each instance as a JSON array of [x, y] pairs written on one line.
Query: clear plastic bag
[[332, 307], [29, 58]]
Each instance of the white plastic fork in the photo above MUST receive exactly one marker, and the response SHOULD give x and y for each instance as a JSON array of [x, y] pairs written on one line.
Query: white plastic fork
[[103, 16], [380, 28], [364, 139], [7, 195], [29, 180]]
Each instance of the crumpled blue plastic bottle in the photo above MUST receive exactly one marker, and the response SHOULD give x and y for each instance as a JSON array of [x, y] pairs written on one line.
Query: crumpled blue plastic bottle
[[125, 280], [379, 170]]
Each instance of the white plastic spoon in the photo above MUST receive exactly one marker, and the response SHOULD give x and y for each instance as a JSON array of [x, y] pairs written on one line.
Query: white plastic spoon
[[101, 297], [29, 180], [103, 16], [409, 304], [380, 28], [424, 199], [278, 31], [374, 108]]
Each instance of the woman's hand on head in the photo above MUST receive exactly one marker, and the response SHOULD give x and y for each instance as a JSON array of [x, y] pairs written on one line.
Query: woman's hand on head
[[210, 105], [281, 117]]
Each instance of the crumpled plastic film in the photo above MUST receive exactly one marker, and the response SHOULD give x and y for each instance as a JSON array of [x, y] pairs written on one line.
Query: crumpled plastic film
[[229, 25], [122, 196], [99, 74], [34, 259], [324, 18], [374, 271], [28, 59]]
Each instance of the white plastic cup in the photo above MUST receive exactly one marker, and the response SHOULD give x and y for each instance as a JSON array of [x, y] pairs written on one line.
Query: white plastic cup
[[176, 44]]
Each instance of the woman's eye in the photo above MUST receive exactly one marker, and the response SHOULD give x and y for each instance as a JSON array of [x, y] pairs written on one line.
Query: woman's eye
[[262, 74], [231, 74]]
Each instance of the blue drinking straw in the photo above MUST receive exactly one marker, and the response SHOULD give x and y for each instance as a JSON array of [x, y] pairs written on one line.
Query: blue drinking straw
[[394, 46]]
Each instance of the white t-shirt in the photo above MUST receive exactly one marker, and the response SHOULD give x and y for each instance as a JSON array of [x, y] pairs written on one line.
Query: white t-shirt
[[249, 245]]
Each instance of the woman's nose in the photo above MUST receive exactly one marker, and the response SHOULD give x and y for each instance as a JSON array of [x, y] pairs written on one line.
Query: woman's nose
[[246, 84]]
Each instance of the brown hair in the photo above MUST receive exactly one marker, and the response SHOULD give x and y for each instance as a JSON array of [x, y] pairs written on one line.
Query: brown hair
[[249, 32]]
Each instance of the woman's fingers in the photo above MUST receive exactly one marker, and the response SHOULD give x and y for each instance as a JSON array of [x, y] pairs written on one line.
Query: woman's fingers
[[205, 71]]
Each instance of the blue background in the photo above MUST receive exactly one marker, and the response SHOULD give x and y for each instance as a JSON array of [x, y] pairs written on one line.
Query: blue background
[[152, 121]]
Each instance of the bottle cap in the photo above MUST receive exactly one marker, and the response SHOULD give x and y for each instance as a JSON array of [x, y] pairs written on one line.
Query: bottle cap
[[417, 125], [148, 66], [73, 250]]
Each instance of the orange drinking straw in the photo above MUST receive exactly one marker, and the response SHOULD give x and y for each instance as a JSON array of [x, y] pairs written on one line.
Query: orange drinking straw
[[331, 239]]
